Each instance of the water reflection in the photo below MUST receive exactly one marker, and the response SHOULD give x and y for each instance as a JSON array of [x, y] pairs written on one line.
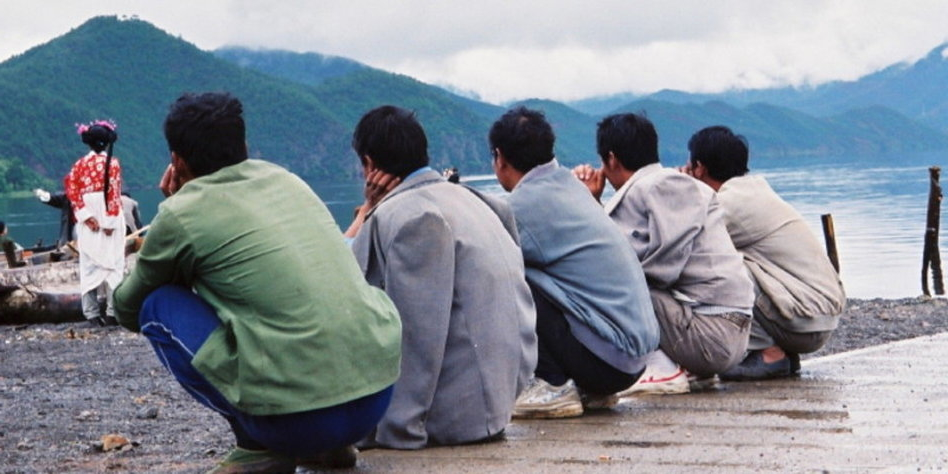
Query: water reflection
[[878, 207]]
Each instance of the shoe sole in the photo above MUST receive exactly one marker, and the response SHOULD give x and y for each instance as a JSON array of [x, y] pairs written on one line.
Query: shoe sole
[[657, 389], [710, 383], [670, 386], [601, 406], [749, 378], [546, 413]]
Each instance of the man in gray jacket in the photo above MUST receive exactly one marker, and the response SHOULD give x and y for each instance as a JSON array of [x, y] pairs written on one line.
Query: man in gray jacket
[[799, 293], [448, 258], [595, 321], [700, 290]]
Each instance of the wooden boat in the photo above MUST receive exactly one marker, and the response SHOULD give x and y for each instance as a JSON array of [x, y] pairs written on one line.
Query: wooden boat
[[42, 293], [44, 287]]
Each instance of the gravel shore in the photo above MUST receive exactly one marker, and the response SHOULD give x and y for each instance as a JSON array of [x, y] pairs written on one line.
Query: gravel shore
[[64, 389]]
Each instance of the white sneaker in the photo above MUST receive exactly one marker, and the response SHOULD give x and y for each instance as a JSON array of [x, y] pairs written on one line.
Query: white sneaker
[[654, 383], [542, 400]]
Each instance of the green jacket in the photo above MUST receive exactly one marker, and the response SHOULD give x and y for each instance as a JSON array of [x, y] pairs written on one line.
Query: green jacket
[[300, 327]]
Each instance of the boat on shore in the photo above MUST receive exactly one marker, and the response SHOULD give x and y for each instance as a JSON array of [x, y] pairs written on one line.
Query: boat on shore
[[43, 293], [43, 287]]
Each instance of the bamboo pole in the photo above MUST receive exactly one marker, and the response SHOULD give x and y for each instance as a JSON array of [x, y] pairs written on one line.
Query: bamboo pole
[[829, 235], [931, 257]]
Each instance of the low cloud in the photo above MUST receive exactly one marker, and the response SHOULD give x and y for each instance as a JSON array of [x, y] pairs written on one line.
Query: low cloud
[[560, 50]]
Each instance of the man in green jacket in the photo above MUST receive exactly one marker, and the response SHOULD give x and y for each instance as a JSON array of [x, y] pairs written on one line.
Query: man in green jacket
[[249, 295]]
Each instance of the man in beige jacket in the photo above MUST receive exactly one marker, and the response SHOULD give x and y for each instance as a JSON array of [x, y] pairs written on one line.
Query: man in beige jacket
[[799, 294]]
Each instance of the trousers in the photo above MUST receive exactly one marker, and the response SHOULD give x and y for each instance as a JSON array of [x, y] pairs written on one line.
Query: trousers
[[177, 322], [560, 356]]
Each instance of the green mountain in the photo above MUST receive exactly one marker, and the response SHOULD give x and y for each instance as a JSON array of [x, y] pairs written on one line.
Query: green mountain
[[780, 132], [130, 71], [304, 68], [300, 110], [915, 90], [456, 126]]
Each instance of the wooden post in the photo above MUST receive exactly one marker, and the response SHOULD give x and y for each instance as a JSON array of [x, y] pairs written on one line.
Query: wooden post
[[931, 257], [829, 234]]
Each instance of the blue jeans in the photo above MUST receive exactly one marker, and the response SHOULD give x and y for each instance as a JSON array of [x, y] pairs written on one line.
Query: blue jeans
[[177, 322]]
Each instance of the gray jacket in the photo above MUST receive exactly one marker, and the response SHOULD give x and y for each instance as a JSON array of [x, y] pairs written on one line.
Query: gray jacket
[[454, 271], [579, 259], [676, 227]]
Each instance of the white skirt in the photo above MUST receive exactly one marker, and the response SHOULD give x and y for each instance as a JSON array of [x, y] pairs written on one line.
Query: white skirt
[[101, 257]]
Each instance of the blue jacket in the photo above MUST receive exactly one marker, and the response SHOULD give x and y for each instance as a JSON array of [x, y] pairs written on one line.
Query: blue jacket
[[581, 261]]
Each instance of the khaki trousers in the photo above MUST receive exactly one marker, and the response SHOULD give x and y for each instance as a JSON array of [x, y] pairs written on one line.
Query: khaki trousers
[[768, 330], [703, 344]]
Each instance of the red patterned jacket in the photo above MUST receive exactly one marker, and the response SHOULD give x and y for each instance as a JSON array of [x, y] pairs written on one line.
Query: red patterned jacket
[[87, 176]]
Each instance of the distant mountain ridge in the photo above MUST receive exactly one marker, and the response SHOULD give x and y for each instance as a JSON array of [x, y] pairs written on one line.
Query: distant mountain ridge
[[916, 90], [300, 108]]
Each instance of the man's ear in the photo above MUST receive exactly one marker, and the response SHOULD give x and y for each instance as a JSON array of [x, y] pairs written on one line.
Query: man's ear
[[368, 164], [181, 167], [610, 161], [699, 170], [500, 159]]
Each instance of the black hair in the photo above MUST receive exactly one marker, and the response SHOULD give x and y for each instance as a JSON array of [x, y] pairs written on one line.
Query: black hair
[[99, 137], [524, 137], [723, 153], [393, 138], [207, 131], [630, 137], [3, 227]]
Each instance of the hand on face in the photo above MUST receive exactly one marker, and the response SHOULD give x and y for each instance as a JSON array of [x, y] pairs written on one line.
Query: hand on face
[[377, 185], [593, 178], [170, 181]]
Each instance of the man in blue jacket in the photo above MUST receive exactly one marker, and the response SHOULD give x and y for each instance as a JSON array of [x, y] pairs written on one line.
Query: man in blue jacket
[[595, 320]]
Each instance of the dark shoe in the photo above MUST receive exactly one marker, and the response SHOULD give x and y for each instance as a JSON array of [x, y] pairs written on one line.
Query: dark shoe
[[339, 458], [753, 367], [110, 321], [794, 362], [242, 460], [96, 322]]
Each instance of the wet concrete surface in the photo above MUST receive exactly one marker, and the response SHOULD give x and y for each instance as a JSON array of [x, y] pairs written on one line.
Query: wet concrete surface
[[879, 409]]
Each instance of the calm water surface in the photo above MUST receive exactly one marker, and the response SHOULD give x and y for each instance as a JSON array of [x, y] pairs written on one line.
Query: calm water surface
[[878, 205]]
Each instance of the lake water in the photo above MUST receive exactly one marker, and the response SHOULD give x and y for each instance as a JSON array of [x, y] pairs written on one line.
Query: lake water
[[878, 204]]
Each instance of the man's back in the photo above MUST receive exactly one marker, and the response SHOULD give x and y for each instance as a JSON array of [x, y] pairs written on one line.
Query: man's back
[[780, 250], [257, 245], [676, 227], [456, 276], [577, 256]]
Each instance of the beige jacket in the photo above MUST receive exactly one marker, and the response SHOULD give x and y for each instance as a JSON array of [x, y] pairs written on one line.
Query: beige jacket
[[782, 254]]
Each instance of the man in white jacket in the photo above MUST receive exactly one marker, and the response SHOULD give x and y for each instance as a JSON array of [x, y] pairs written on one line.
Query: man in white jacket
[[799, 294]]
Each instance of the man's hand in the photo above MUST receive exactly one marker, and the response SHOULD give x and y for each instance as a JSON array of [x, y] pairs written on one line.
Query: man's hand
[[592, 178], [377, 185], [170, 181], [92, 224]]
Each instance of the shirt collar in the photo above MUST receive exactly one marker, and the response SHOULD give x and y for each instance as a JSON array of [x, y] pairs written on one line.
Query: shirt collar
[[620, 193], [538, 172]]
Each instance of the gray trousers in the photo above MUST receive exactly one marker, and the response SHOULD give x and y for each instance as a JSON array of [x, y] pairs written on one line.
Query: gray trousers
[[704, 344], [90, 302], [768, 330]]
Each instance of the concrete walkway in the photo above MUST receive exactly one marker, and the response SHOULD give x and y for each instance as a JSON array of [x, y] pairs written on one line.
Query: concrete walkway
[[883, 408]]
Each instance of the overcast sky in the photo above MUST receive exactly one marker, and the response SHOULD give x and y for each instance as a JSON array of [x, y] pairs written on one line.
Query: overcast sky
[[556, 49]]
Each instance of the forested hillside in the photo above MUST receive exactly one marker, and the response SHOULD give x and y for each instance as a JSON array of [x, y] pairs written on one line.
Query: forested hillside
[[300, 109]]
